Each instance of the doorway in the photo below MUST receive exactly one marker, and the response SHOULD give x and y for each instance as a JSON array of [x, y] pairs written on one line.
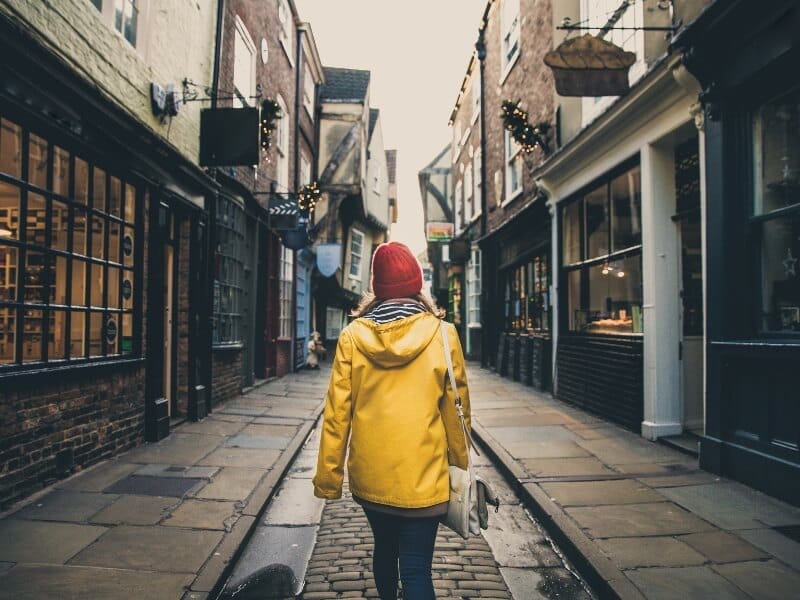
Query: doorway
[[690, 238]]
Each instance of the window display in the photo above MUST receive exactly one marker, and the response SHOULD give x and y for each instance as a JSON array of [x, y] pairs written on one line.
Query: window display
[[776, 211], [62, 263], [603, 257], [527, 303]]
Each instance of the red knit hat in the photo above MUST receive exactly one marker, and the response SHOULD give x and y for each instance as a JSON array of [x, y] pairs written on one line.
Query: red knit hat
[[395, 272]]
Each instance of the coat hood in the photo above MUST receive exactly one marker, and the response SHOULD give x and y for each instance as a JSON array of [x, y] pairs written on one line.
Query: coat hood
[[396, 343]]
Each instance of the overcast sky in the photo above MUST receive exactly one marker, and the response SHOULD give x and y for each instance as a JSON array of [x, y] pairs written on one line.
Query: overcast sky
[[418, 52]]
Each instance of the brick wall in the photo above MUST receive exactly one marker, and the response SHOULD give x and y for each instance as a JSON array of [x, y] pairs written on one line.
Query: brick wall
[[95, 412], [227, 372], [530, 81]]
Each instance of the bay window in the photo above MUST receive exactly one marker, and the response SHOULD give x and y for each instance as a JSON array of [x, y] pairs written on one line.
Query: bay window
[[229, 275]]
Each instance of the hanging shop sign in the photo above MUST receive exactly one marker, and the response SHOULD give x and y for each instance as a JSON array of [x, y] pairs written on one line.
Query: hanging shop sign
[[590, 66], [439, 231], [329, 258]]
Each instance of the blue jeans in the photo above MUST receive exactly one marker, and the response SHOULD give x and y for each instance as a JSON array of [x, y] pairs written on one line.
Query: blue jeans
[[409, 541]]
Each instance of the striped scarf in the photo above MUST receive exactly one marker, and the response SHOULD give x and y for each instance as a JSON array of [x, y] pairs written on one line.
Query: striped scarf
[[392, 311]]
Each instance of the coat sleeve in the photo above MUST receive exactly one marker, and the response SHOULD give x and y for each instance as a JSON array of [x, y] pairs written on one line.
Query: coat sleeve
[[457, 450], [336, 424]]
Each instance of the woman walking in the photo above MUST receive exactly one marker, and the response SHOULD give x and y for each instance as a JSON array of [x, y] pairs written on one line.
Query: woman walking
[[388, 395]]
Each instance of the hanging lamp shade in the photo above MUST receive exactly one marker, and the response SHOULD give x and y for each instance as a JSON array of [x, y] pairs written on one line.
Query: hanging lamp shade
[[590, 66]]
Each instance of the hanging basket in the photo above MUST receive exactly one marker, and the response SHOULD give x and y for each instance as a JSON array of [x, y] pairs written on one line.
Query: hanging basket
[[590, 66]]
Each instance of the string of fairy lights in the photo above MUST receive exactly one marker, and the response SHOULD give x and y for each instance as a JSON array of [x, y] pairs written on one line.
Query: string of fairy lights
[[529, 136]]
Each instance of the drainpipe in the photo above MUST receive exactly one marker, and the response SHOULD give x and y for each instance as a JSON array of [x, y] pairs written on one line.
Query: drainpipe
[[480, 49]]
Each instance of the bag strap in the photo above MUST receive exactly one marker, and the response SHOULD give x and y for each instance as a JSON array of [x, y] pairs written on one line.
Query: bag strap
[[468, 442]]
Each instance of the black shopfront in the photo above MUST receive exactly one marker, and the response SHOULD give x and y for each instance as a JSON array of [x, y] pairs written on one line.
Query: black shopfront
[[745, 56], [522, 287]]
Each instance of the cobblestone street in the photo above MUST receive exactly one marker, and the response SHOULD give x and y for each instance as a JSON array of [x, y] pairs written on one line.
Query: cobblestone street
[[513, 559]]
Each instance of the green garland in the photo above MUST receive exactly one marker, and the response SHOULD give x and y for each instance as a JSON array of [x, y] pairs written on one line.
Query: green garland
[[270, 112], [308, 197], [526, 135]]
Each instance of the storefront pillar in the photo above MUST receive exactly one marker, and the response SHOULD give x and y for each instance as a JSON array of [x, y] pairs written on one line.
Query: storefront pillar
[[661, 285]]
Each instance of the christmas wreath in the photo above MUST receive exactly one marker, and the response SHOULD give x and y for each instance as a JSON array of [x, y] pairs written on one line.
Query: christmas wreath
[[527, 135]]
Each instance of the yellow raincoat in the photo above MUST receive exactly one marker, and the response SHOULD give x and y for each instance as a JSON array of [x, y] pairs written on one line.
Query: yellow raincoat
[[389, 394]]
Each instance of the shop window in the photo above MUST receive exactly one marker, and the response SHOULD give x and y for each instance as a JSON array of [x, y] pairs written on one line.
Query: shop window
[[776, 211], [455, 295], [602, 257], [285, 297], [63, 265], [229, 276], [527, 301], [334, 321]]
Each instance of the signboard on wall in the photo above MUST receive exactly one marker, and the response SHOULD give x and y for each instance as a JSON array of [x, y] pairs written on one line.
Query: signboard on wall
[[328, 258], [439, 231]]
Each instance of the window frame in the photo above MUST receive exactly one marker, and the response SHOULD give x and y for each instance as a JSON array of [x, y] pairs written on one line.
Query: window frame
[[230, 273], [282, 146], [584, 264], [286, 29], [241, 33], [309, 92], [362, 237], [474, 289], [108, 14], [286, 293], [458, 205], [117, 262], [510, 159], [476, 94], [758, 218], [477, 182], [510, 35]]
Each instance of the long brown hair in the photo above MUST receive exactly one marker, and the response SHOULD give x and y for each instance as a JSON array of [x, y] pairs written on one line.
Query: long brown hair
[[369, 301]]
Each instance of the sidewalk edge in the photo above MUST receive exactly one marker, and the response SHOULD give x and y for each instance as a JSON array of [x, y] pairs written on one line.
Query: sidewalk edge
[[600, 573], [260, 500]]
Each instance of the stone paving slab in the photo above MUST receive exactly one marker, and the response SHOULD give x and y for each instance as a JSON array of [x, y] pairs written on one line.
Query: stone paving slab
[[584, 493], [638, 552], [202, 514], [232, 483], [721, 547], [775, 544], [686, 582], [633, 520], [65, 505], [99, 477], [764, 580], [43, 542], [241, 457], [554, 449], [734, 506], [241, 440], [565, 467], [35, 582], [539, 433], [298, 507], [164, 549], [136, 510]]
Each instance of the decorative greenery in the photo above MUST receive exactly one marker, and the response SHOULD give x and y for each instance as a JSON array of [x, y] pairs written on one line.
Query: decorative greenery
[[526, 135], [308, 197], [270, 112]]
